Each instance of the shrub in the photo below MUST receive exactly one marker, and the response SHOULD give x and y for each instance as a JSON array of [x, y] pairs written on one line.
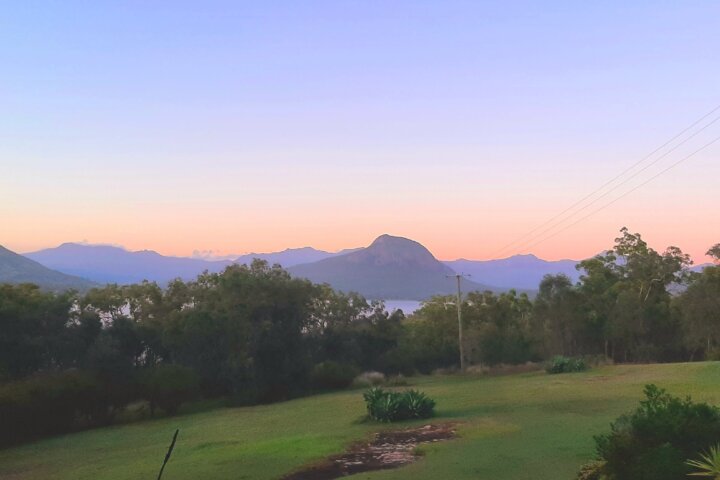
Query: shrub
[[168, 387], [561, 364], [418, 404], [48, 404], [386, 406], [332, 375], [708, 465], [654, 442]]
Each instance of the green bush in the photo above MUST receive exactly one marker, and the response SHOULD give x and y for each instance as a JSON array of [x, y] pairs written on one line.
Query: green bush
[[168, 387], [561, 364], [386, 406], [48, 404], [654, 442], [333, 375]]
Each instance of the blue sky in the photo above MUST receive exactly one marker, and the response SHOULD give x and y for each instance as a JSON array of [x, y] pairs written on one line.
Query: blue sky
[[238, 126]]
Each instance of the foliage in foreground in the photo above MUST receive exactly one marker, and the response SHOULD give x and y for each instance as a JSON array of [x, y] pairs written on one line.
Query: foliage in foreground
[[387, 406], [708, 465], [561, 364], [58, 402], [654, 441]]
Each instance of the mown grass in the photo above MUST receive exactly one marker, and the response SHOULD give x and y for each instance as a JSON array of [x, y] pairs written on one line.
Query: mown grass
[[528, 426]]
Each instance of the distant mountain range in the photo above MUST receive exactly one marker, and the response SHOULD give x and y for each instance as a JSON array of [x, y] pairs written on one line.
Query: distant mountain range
[[16, 268], [390, 268], [108, 264], [519, 271], [293, 256]]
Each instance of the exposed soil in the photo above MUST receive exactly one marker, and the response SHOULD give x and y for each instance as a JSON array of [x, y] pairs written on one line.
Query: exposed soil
[[387, 450]]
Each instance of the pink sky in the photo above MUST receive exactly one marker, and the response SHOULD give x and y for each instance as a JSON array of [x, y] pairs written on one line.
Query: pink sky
[[238, 128]]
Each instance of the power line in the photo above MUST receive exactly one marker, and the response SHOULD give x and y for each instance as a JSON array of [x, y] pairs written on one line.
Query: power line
[[715, 140], [594, 201], [678, 135]]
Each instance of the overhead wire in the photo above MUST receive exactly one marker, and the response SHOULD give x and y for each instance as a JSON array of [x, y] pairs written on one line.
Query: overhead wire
[[614, 188], [611, 181], [670, 167]]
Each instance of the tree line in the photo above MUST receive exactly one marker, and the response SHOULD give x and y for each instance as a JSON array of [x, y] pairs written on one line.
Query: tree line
[[254, 334], [631, 304]]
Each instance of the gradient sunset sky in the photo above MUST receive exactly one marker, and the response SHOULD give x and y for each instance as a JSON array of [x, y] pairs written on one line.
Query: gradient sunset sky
[[256, 126]]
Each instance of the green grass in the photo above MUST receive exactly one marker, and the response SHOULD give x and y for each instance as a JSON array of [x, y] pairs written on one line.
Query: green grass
[[529, 426]]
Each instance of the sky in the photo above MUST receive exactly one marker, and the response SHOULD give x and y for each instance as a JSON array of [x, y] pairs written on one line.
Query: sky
[[237, 127]]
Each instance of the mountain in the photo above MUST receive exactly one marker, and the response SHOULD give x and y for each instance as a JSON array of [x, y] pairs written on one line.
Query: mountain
[[15, 268], [519, 271], [701, 267], [292, 256], [390, 268], [107, 264]]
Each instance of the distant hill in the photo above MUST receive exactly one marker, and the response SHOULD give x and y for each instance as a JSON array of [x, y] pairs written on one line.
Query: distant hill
[[701, 267], [107, 264], [390, 268], [292, 256], [519, 271], [15, 268]]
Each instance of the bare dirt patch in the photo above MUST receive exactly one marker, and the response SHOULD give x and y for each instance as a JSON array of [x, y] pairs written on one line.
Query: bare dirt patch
[[387, 450]]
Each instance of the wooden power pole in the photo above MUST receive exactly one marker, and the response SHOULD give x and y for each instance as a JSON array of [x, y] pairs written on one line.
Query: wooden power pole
[[459, 276]]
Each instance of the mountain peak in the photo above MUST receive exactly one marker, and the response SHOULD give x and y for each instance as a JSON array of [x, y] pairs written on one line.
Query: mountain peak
[[390, 241], [389, 268], [388, 249]]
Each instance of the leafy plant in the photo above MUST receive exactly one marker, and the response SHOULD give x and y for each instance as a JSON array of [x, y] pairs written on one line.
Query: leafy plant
[[386, 406], [562, 364], [654, 441], [419, 405], [708, 465]]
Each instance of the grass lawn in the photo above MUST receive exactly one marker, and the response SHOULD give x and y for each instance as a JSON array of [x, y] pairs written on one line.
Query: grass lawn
[[528, 426]]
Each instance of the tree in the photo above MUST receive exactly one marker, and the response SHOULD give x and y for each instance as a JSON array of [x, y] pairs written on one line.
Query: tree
[[556, 310], [599, 300], [632, 282], [32, 323], [700, 309], [497, 327], [714, 252], [431, 337], [244, 331]]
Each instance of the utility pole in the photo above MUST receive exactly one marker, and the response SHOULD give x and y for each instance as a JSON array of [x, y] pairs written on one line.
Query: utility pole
[[458, 276]]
